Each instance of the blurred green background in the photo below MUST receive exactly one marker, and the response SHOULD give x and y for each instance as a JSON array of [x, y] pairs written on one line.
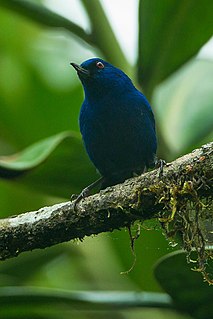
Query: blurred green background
[[40, 99]]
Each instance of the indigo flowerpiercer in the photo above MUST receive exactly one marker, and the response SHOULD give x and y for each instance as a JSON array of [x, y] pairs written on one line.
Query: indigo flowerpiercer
[[116, 123]]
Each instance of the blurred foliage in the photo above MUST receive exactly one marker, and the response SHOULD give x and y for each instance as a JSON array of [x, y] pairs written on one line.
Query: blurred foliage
[[41, 153], [186, 98], [190, 294], [170, 39]]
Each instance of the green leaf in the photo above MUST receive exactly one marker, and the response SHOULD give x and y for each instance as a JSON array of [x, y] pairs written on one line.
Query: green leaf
[[13, 271], [57, 165], [170, 33], [30, 157], [183, 106], [86, 299], [40, 14], [186, 287], [102, 35]]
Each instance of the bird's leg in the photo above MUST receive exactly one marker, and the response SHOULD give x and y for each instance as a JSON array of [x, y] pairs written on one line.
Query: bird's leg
[[160, 164], [87, 190]]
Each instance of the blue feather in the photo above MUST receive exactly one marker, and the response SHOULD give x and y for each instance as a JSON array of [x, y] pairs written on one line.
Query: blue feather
[[116, 122]]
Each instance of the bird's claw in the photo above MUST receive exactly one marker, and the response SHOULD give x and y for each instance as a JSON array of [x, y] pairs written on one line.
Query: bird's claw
[[85, 192], [73, 197], [77, 198]]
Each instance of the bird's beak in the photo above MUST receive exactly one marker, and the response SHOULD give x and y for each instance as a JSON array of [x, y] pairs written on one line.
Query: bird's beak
[[81, 71]]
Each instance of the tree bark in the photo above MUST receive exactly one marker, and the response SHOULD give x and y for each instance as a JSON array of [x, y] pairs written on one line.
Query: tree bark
[[140, 198]]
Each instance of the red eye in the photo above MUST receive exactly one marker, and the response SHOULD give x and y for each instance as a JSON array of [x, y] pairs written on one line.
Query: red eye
[[100, 65]]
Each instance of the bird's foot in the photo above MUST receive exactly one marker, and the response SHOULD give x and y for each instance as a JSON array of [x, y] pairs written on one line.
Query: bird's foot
[[77, 198], [85, 192]]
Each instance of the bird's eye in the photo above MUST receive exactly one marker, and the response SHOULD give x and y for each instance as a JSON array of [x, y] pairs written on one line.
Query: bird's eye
[[100, 65]]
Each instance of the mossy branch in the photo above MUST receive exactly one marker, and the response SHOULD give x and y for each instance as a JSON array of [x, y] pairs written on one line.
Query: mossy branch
[[186, 180]]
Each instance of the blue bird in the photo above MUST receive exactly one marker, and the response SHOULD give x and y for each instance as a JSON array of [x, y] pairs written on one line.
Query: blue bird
[[116, 122]]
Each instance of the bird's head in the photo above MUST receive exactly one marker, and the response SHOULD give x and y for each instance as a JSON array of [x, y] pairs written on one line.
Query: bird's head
[[101, 77]]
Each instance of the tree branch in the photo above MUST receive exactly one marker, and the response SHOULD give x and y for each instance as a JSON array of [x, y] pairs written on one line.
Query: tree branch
[[140, 198]]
